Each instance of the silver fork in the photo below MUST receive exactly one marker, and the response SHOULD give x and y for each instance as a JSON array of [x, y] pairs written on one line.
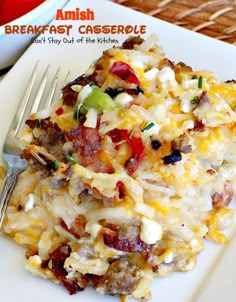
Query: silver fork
[[11, 148]]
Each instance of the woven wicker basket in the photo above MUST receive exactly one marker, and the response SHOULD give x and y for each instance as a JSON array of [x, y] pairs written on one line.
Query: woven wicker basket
[[215, 18]]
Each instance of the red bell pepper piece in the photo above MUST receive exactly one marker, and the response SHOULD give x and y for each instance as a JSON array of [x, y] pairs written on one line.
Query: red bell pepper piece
[[124, 72], [59, 111], [136, 144]]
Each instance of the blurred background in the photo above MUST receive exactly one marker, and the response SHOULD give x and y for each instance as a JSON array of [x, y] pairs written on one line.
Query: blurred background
[[214, 18]]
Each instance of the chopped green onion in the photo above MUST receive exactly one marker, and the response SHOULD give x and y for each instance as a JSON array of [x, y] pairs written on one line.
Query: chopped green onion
[[149, 126], [82, 110], [98, 100], [77, 114], [91, 83], [71, 159], [37, 123], [200, 82], [56, 164], [194, 100], [131, 133]]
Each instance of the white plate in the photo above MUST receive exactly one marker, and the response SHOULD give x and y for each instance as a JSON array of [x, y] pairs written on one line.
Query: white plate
[[13, 46], [212, 279]]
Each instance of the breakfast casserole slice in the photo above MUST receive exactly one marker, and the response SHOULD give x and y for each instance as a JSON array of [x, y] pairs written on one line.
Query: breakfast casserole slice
[[129, 172]]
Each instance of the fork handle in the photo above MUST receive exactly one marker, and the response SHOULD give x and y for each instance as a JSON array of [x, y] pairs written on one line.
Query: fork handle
[[8, 186]]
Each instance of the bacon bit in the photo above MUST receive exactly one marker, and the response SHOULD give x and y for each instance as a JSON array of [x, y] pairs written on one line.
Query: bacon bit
[[124, 72], [20, 208], [131, 41], [52, 139], [136, 144], [155, 268], [45, 263], [166, 63], [115, 135], [31, 123], [72, 285], [211, 171], [198, 126], [121, 189], [203, 99], [46, 123], [77, 228], [135, 244], [221, 200], [181, 143], [182, 67], [138, 149], [68, 172], [131, 165], [230, 81], [69, 95], [119, 184], [60, 254], [86, 139], [56, 264], [59, 111]]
